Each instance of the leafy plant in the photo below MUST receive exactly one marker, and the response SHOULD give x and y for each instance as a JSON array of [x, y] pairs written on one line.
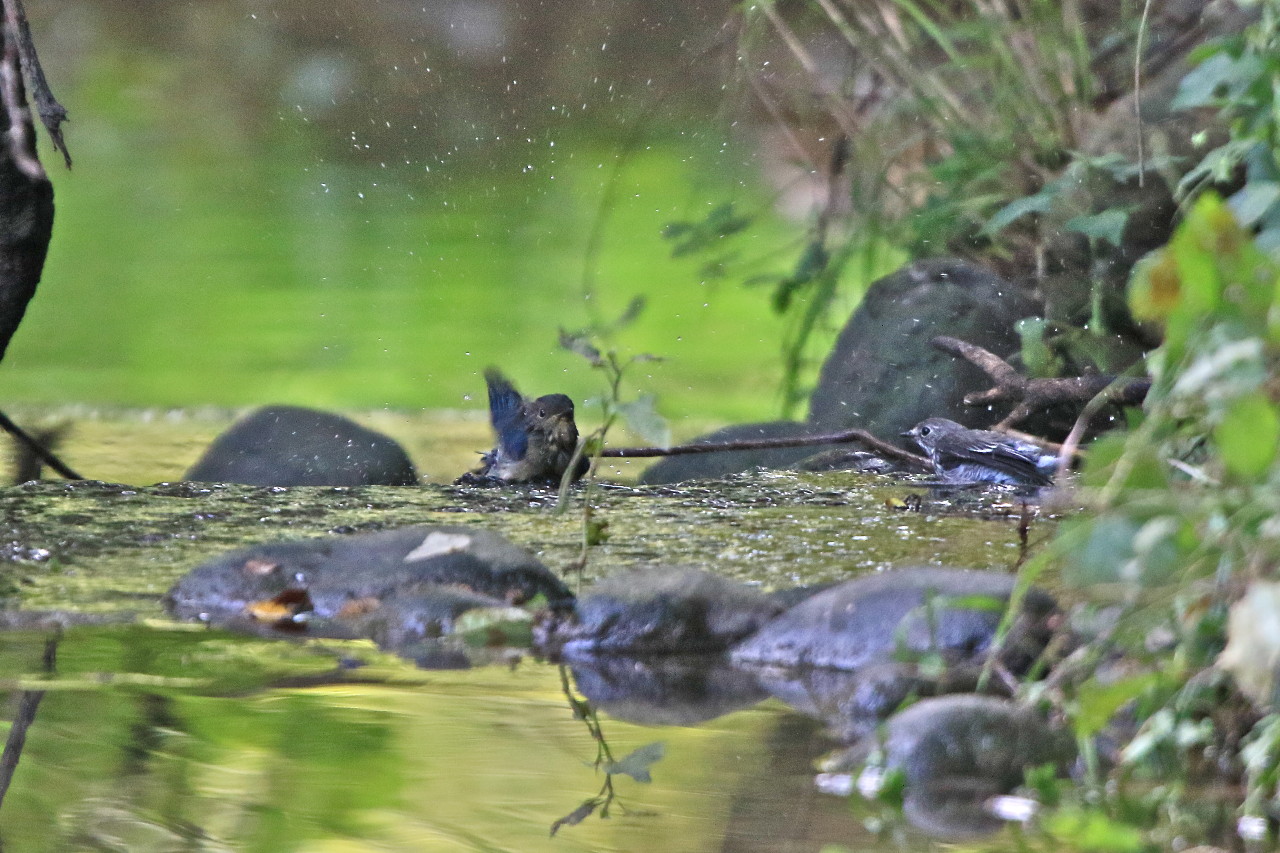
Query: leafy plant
[[1238, 76], [640, 415], [1181, 521], [635, 764], [944, 113]]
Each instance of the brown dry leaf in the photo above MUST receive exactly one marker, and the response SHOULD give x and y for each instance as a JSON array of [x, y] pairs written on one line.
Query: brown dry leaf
[[259, 566], [359, 607], [283, 611]]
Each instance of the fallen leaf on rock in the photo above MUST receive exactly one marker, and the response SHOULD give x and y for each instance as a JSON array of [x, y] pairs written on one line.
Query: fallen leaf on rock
[[359, 607], [289, 609], [438, 543], [258, 566]]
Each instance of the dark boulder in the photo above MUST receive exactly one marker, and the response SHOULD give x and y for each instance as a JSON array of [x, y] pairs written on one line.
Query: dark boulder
[[661, 611], [343, 576], [290, 446], [853, 703], [956, 752], [710, 466], [959, 736], [883, 376], [913, 611]]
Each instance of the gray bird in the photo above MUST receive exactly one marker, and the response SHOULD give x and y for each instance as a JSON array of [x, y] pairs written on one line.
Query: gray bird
[[536, 438], [961, 455]]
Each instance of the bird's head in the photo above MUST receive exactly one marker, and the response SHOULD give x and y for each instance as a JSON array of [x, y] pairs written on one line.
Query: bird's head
[[553, 414]]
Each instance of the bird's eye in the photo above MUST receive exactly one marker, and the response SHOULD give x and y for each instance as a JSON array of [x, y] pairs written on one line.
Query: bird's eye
[[542, 413], [926, 430]]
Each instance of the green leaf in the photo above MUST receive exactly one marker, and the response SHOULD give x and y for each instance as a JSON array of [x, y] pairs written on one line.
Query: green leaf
[[1094, 831], [1248, 436], [637, 764], [1219, 77], [629, 314], [1253, 201], [1015, 210], [1037, 356], [1102, 548], [642, 418], [1106, 225], [580, 343], [1098, 702], [494, 626]]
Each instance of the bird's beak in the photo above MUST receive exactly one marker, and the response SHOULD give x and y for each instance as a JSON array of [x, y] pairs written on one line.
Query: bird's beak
[[907, 434]]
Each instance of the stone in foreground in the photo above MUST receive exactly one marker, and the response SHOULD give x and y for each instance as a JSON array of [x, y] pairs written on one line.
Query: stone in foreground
[[661, 610], [343, 576], [918, 610]]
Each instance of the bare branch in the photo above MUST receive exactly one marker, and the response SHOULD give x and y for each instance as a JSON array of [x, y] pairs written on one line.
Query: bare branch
[[1032, 395], [52, 113], [860, 436]]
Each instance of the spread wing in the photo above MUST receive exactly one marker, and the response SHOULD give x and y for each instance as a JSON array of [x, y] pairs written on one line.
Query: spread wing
[[506, 413]]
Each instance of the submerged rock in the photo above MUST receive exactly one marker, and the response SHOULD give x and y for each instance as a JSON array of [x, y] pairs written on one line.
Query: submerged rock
[[953, 611], [343, 575], [292, 446], [954, 753], [668, 690], [971, 737], [661, 611], [853, 703]]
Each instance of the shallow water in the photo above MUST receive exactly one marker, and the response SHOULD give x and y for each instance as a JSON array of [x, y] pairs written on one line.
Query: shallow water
[[485, 759], [155, 735]]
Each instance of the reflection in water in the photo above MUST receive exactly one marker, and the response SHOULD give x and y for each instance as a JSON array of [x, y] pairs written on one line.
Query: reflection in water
[[24, 716], [175, 748]]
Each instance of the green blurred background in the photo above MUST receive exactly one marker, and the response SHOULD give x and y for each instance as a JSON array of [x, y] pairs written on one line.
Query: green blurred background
[[363, 205]]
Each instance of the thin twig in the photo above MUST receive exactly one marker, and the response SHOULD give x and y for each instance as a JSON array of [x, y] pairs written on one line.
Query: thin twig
[[1030, 395], [26, 715], [52, 113], [860, 436], [1137, 90], [37, 448], [1073, 439]]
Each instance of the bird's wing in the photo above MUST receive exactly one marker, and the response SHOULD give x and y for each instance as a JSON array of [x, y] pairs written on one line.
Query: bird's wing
[[506, 413], [1016, 460]]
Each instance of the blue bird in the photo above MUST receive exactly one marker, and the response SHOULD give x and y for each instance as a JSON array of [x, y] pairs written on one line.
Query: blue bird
[[536, 438], [961, 455]]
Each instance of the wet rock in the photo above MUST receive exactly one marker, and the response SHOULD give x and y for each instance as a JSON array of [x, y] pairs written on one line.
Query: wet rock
[[671, 690], [853, 704], [793, 595], [906, 610], [954, 754], [661, 611], [324, 578], [290, 446], [847, 460], [710, 466], [959, 751], [415, 613], [883, 376]]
